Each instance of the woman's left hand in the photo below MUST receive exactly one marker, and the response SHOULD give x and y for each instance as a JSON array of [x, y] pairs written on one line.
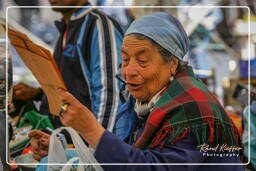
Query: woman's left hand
[[80, 118]]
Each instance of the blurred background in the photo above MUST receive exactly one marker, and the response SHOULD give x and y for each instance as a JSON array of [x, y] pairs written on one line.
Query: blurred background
[[222, 52]]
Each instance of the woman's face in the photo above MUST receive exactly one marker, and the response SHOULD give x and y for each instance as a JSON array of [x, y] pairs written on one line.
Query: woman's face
[[143, 68]]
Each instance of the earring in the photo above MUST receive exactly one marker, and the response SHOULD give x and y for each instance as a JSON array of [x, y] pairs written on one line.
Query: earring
[[171, 78]]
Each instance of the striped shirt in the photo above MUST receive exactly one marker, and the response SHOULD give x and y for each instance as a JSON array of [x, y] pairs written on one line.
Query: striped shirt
[[88, 55]]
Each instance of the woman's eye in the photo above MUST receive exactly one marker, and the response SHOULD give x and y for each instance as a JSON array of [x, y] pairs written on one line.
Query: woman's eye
[[125, 60], [142, 61]]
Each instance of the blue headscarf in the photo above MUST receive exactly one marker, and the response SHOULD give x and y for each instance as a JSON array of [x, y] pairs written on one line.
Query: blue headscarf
[[165, 30]]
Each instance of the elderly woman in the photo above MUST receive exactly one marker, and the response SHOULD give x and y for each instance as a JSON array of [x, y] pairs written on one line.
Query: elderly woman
[[170, 117]]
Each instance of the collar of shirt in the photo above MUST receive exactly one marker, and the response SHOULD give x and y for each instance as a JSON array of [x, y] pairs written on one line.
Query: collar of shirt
[[77, 14], [143, 109]]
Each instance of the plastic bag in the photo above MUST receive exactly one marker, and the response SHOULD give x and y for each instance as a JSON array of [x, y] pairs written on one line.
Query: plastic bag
[[57, 153]]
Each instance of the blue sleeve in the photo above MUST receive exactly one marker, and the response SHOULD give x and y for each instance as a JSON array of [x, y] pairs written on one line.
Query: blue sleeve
[[105, 58], [111, 149], [122, 152]]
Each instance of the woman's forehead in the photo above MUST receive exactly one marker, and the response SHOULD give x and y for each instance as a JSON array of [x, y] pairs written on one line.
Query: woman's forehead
[[133, 42]]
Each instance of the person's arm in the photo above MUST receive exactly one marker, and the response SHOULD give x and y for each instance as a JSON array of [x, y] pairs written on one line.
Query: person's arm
[[112, 149], [105, 58], [25, 92]]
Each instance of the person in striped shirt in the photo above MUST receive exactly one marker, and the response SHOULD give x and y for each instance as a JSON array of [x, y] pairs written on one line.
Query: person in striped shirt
[[88, 55]]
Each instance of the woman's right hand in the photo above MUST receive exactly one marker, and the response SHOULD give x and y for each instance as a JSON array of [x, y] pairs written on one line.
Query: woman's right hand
[[40, 144], [81, 119]]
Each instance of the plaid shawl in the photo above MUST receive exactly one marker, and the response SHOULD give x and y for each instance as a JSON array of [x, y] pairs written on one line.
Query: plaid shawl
[[186, 107]]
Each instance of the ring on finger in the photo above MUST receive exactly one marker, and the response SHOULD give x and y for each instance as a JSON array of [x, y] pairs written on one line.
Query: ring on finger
[[63, 108]]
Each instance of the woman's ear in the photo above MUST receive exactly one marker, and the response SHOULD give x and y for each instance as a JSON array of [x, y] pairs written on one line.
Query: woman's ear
[[174, 65]]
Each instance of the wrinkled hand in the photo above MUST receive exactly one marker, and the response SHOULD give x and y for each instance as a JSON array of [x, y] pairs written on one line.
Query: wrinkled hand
[[22, 91], [40, 144], [81, 119]]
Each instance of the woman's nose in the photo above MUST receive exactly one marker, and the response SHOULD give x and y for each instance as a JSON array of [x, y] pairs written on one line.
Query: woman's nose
[[131, 69]]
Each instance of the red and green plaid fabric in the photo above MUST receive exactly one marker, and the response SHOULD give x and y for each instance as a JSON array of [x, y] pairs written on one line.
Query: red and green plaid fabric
[[186, 107]]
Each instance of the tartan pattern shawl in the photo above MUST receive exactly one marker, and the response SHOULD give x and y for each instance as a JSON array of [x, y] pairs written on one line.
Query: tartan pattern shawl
[[186, 107]]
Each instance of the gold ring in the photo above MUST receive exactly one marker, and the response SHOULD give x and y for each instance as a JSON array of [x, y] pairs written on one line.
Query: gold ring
[[63, 108]]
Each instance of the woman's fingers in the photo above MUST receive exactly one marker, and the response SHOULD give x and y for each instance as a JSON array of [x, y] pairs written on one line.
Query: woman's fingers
[[37, 134], [39, 143], [34, 144], [36, 156], [67, 97], [43, 153], [39, 154], [71, 114], [80, 118], [45, 141]]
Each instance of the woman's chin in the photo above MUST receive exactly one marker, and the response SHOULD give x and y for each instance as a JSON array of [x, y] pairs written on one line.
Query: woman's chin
[[138, 96]]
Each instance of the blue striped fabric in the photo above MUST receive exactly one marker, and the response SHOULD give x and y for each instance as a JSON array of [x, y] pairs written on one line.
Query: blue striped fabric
[[89, 62]]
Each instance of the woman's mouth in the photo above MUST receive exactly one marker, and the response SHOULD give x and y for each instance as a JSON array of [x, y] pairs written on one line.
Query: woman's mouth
[[132, 86]]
